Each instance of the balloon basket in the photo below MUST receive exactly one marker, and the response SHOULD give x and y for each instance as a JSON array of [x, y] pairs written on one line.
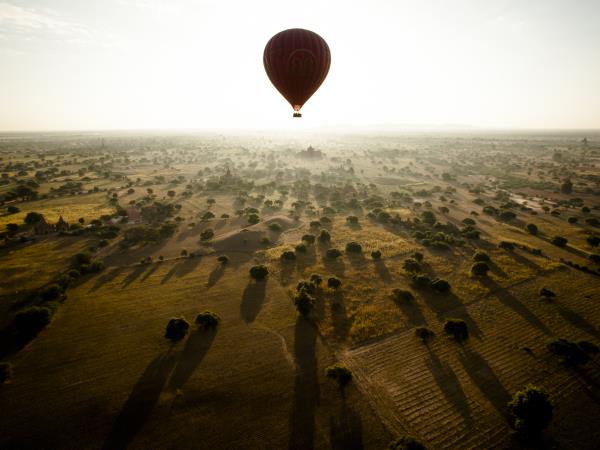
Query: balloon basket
[[297, 114]]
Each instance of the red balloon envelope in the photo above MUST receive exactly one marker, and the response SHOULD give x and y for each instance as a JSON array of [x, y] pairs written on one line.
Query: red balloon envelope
[[297, 62]]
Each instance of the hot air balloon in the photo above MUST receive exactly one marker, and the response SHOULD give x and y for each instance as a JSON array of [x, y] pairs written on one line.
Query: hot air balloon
[[297, 62]]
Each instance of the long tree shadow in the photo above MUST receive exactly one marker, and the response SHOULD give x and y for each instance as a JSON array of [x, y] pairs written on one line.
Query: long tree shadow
[[482, 375], [149, 272], [169, 274], [196, 348], [215, 275], [253, 298], [335, 266], [339, 316], [134, 275], [106, 277], [307, 259], [520, 259], [382, 271], [141, 401], [187, 265], [412, 311], [306, 387], [345, 430], [450, 386], [357, 260], [510, 301], [286, 273], [449, 305], [577, 321]]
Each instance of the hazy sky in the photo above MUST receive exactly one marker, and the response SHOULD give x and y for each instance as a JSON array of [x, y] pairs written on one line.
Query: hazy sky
[[83, 64]]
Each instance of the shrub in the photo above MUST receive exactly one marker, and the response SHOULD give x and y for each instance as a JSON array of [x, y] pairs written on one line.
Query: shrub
[[418, 256], [315, 224], [5, 372], [406, 443], [259, 272], [468, 221], [423, 333], [265, 240], [304, 302], [588, 347], [559, 241], [594, 241], [309, 238], [481, 256], [324, 236], [304, 285], [340, 373], [402, 295], [593, 221], [82, 258], [207, 234], [301, 248], [334, 282], [333, 253], [376, 254], [253, 219], [547, 293], [440, 285], [176, 329], [12, 209], [316, 279], [207, 319], [480, 269], [572, 220], [507, 215], [532, 228], [411, 265], [288, 256], [51, 292], [421, 281], [352, 220], [30, 321], [505, 245], [571, 353], [594, 258], [457, 328], [274, 226], [223, 259], [353, 247], [531, 410]]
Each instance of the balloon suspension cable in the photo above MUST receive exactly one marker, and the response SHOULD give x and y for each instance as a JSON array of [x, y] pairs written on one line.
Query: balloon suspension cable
[[297, 114]]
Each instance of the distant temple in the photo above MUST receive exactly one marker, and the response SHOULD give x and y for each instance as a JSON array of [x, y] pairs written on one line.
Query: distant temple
[[43, 227], [310, 152]]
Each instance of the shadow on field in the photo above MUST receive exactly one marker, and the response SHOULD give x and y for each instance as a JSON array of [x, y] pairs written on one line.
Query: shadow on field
[[510, 301], [196, 348], [215, 275], [134, 275], [307, 259], [253, 298], [412, 311], [357, 260], [482, 375], [187, 265], [306, 386], [286, 273], [520, 259], [446, 305], [577, 321], [150, 272], [335, 266], [339, 317], [449, 384], [141, 401], [345, 430], [382, 271], [106, 277]]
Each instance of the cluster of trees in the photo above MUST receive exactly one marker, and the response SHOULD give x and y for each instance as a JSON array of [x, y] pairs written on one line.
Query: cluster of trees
[[178, 327]]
